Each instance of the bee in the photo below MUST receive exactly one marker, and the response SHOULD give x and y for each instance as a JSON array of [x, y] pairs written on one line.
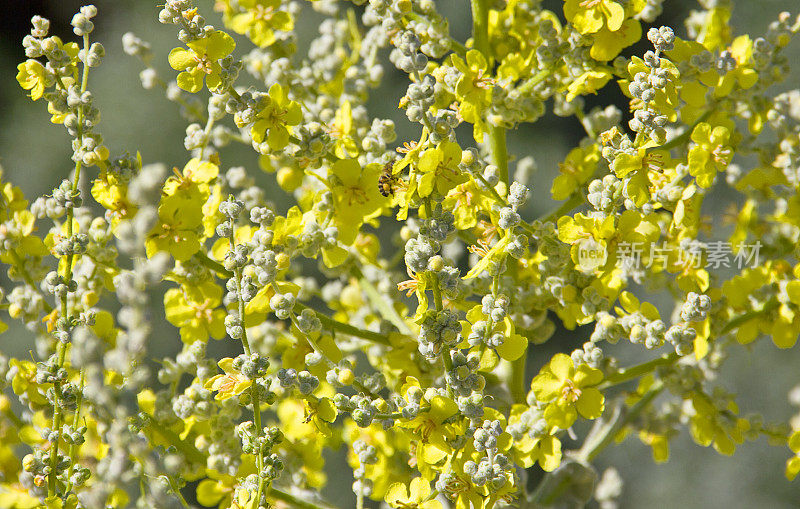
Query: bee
[[387, 182]]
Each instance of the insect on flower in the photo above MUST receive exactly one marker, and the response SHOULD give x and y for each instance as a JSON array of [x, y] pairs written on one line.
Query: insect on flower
[[387, 182]]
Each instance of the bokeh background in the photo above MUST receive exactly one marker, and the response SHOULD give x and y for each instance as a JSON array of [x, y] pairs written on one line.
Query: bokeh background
[[35, 156]]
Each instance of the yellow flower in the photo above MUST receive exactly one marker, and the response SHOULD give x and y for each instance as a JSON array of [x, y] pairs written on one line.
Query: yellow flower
[[439, 168], [608, 43], [276, 112], [356, 196], [196, 311], [588, 83], [466, 201], [568, 391], [231, 383], [177, 230], [429, 427], [416, 497], [259, 21], [474, 87], [33, 76], [200, 61], [578, 167], [196, 173], [589, 16]]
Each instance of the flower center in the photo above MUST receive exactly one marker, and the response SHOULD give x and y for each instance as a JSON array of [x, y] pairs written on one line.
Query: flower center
[[425, 429], [203, 63], [263, 13], [721, 155], [479, 81], [569, 392], [357, 195], [568, 168], [203, 311]]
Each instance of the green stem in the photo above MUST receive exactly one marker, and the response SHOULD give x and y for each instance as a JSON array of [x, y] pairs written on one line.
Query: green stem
[[61, 348], [16, 421], [381, 303], [684, 136], [499, 151], [206, 135], [437, 292], [189, 451], [480, 26], [593, 448], [26, 276], [213, 265], [527, 85], [295, 503], [73, 449], [237, 272], [749, 315], [193, 454], [177, 493], [633, 372], [345, 328], [245, 343], [518, 392], [549, 491], [480, 36], [574, 200]]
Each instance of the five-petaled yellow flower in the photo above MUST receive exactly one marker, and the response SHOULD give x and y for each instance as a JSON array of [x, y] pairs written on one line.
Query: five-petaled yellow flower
[[200, 61]]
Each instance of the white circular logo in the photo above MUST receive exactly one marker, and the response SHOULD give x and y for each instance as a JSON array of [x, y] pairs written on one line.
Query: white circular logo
[[590, 254]]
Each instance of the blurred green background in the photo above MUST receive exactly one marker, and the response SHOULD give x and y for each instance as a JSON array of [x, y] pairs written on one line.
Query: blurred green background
[[35, 156]]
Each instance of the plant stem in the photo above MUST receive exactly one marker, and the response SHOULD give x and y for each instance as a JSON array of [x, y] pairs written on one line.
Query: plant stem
[[685, 135], [330, 323], [499, 151], [237, 273], [292, 500], [191, 453], [534, 80], [480, 37], [480, 26], [345, 328], [73, 449], [574, 200], [214, 265], [633, 372], [518, 392], [437, 292], [386, 310], [591, 449], [548, 492], [61, 348], [186, 447]]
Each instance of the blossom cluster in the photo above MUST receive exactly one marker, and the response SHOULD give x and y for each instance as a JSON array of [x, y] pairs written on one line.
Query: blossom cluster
[[392, 308]]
